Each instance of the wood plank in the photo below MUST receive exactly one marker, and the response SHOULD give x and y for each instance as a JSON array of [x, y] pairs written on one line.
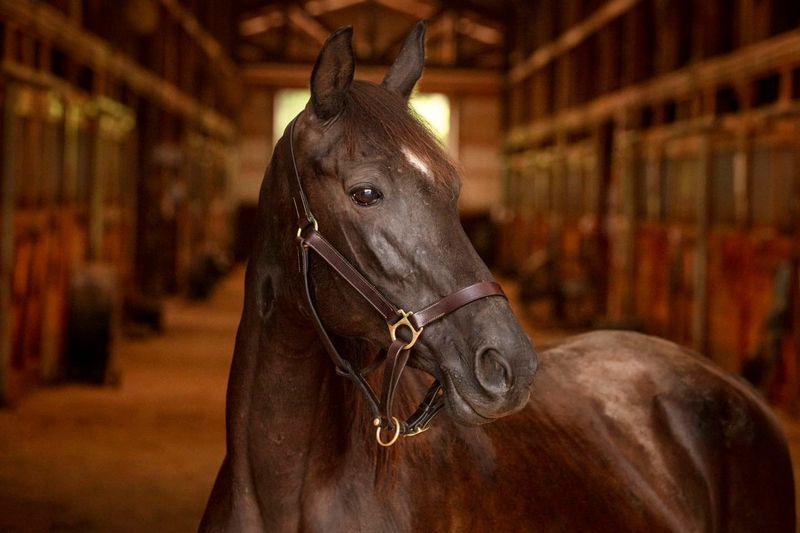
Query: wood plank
[[7, 242], [412, 8], [772, 54], [570, 39], [267, 19], [320, 7], [87, 48], [478, 31], [307, 24], [207, 43], [435, 79], [700, 310]]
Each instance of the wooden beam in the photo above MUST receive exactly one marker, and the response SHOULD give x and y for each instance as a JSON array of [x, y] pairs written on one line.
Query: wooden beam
[[769, 55], [269, 18], [87, 48], [570, 39], [435, 79], [320, 7], [448, 46], [412, 8], [477, 31], [307, 24], [207, 43]]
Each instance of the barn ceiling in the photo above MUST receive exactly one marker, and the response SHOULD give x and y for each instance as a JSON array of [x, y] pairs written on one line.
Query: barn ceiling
[[460, 33]]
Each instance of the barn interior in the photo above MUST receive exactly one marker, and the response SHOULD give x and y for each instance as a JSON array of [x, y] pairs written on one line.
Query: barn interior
[[626, 164]]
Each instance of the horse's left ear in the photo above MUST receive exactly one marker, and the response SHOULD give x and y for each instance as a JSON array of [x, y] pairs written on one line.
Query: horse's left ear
[[407, 68], [333, 74]]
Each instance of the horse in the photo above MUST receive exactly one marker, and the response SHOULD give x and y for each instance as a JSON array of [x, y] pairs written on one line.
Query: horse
[[606, 431]]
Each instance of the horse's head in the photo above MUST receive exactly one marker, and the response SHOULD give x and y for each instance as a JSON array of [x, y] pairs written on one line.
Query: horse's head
[[385, 195]]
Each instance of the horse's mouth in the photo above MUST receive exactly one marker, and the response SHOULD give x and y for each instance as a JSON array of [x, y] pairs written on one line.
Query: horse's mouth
[[461, 410]]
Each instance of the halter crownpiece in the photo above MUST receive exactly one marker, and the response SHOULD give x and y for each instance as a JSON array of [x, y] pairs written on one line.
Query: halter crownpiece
[[309, 238]]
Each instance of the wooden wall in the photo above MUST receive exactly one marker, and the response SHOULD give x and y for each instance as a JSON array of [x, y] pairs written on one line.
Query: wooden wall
[[115, 142], [476, 119], [652, 156]]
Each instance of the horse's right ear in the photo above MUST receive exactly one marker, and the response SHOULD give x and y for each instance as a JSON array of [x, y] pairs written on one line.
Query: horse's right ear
[[333, 74]]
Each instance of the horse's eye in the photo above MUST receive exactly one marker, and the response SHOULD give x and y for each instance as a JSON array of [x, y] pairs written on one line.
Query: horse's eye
[[366, 196]]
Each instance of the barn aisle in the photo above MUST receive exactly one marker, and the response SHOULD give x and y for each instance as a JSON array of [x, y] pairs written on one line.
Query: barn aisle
[[140, 457]]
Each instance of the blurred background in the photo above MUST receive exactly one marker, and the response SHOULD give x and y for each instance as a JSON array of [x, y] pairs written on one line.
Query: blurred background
[[626, 163]]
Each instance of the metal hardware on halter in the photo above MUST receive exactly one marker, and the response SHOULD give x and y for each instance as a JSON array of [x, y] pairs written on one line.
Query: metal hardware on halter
[[420, 421], [379, 427], [417, 431], [405, 322], [313, 221]]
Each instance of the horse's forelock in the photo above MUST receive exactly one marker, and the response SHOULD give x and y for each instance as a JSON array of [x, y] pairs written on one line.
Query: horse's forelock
[[383, 121]]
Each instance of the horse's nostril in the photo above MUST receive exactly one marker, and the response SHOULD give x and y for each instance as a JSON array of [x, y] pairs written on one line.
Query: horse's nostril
[[493, 371]]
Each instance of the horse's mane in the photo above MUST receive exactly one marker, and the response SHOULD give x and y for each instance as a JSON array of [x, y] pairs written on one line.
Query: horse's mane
[[383, 120]]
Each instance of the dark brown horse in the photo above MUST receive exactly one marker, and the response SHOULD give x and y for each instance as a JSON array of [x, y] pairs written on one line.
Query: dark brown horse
[[622, 432]]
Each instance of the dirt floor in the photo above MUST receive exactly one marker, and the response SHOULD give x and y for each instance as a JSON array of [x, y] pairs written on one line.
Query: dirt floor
[[142, 456], [139, 457]]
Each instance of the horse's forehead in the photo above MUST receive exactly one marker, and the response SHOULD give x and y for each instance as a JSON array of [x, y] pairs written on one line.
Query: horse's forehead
[[400, 164], [416, 161]]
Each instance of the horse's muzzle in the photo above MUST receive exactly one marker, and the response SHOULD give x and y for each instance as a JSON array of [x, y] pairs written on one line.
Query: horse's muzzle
[[499, 386]]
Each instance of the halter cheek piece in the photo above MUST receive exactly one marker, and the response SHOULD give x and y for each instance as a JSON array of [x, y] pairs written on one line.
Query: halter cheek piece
[[309, 238]]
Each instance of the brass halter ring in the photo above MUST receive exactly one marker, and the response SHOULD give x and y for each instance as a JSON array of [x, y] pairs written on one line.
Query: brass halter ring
[[415, 333], [395, 423]]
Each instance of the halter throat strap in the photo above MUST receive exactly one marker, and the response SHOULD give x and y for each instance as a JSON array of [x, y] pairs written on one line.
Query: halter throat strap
[[310, 239]]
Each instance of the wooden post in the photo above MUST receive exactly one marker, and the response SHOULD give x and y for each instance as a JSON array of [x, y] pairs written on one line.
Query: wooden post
[[72, 117], [746, 13], [628, 149], [604, 146], [454, 135], [700, 281], [7, 241], [448, 46], [97, 193], [76, 12], [786, 87], [558, 193]]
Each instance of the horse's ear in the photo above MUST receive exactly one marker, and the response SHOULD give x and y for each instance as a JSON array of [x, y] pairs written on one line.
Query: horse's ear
[[407, 68], [333, 74]]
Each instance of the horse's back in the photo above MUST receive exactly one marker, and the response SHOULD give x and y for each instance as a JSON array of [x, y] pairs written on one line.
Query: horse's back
[[691, 447]]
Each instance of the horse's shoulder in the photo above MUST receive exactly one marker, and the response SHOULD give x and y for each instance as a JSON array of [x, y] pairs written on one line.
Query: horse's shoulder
[[627, 372], [664, 422], [628, 355]]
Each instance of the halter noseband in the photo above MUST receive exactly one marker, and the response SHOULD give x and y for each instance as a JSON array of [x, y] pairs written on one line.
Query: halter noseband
[[397, 355]]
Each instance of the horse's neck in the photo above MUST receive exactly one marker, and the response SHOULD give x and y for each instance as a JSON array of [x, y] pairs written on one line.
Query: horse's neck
[[287, 409], [291, 419], [297, 429]]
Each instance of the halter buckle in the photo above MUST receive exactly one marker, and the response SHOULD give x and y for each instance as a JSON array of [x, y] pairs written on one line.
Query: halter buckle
[[312, 221], [417, 431], [404, 322]]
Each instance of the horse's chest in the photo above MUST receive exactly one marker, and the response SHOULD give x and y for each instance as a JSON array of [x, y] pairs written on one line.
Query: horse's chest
[[334, 508]]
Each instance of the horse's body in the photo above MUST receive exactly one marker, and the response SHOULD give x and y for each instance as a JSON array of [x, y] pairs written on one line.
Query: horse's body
[[622, 432]]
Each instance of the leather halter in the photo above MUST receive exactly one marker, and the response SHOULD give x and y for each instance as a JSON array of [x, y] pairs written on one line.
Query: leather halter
[[397, 355]]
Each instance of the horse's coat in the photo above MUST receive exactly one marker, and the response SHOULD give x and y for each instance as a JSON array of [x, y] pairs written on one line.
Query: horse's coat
[[622, 432]]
